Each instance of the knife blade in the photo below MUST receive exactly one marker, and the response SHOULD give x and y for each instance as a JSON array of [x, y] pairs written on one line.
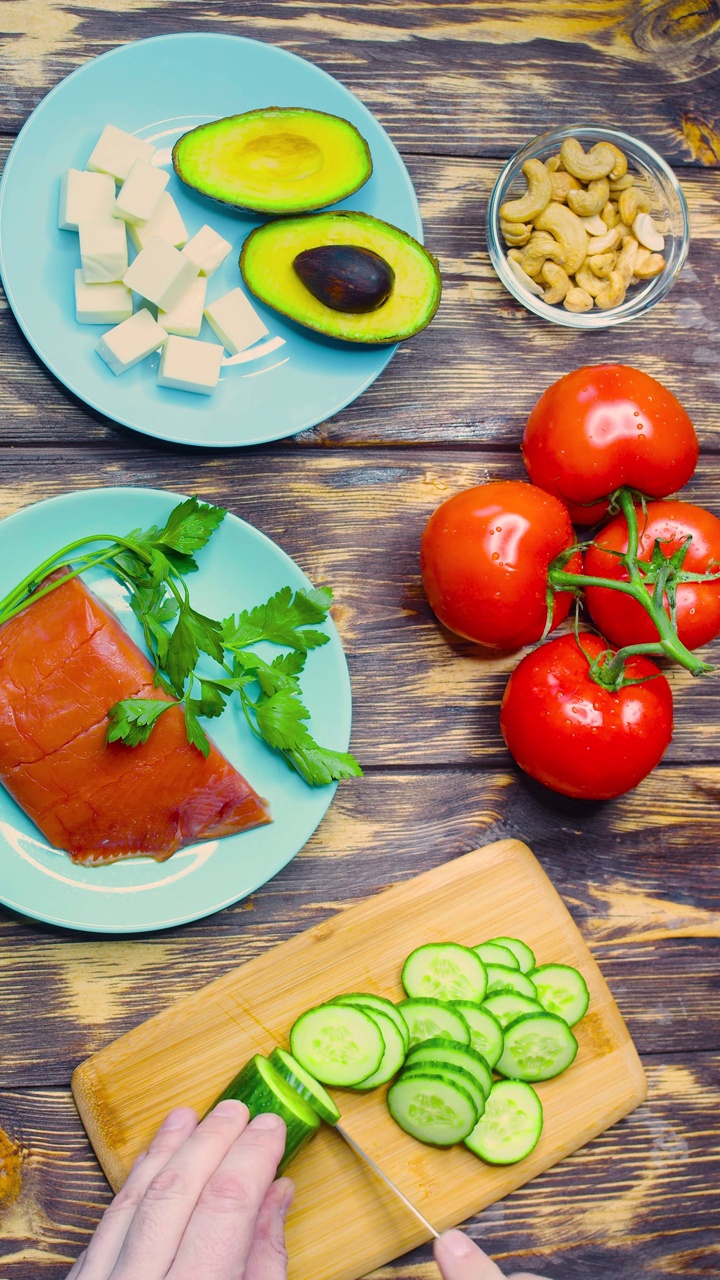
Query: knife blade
[[388, 1181]]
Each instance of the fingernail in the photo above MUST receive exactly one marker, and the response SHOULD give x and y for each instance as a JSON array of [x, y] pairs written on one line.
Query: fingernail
[[266, 1120], [231, 1108], [457, 1244], [177, 1119]]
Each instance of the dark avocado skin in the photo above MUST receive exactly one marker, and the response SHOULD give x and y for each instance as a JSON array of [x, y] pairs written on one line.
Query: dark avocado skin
[[351, 162]]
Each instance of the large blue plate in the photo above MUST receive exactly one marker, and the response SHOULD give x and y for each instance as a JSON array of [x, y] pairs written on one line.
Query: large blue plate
[[158, 89], [239, 568]]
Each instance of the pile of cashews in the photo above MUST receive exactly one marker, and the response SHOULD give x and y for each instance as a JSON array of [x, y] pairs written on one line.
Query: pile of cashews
[[582, 232]]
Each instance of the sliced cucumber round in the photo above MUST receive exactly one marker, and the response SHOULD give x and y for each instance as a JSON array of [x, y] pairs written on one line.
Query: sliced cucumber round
[[454, 1075], [428, 1018], [538, 1046], [366, 1000], [394, 1054], [444, 971], [561, 990], [432, 1109], [506, 1006], [443, 1051], [485, 1030], [524, 955], [493, 953], [306, 1085], [501, 978], [510, 1126], [263, 1089], [338, 1044]]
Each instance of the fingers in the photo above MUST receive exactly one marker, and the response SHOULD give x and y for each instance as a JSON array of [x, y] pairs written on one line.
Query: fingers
[[101, 1254], [74, 1271], [170, 1197], [459, 1259], [219, 1237], [268, 1255]]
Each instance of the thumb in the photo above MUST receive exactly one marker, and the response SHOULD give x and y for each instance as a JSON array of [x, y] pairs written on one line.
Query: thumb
[[268, 1255], [459, 1259]]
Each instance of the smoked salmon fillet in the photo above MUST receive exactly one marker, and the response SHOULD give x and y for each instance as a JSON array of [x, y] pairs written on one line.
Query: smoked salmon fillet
[[64, 662]]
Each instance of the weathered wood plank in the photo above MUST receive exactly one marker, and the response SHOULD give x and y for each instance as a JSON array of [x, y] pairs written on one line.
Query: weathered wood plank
[[446, 78], [633, 1203], [455, 382]]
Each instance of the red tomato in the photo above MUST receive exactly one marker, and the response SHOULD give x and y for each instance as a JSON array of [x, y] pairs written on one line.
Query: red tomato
[[621, 618], [484, 559], [604, 426], [577, 737]]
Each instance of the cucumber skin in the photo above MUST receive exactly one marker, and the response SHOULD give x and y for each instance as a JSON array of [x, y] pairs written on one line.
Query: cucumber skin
[[249, 1087]]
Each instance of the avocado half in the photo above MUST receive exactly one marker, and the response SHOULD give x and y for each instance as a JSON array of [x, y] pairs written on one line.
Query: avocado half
[[275, 160], [267, 260]]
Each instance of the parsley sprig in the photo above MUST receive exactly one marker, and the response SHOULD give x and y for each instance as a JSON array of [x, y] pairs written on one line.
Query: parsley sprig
[[153, 565]]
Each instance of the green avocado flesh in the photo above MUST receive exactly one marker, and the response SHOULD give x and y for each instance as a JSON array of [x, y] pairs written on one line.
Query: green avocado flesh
[[277, 160], [267, 267]]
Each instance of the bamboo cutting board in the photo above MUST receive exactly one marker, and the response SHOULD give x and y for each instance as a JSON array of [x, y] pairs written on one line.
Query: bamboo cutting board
[[344, 1222]]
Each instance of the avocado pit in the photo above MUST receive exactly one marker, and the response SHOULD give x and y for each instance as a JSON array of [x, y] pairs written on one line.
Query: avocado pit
[[345, 277]]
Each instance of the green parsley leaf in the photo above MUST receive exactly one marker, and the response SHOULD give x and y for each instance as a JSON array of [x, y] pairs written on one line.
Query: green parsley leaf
[[211, 701], [319, 766], [132, 720], [197, 736], [192, 634], [190, 525], [283, 620], [280, 720]]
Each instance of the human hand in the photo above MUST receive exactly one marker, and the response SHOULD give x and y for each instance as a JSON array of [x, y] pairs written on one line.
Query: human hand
[[460, 1259], [201, 1201]]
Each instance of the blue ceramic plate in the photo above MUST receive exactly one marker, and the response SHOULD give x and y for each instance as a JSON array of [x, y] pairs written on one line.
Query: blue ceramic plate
[[159, 89], [239, 568]]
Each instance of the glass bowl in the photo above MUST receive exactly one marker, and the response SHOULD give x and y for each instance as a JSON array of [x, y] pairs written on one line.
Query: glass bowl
[[667, 208]]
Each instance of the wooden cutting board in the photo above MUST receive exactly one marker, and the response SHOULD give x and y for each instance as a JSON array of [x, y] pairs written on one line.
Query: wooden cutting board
[[344, 1222]]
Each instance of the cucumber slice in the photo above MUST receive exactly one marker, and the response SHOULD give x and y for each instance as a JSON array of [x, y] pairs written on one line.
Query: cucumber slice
[[538, 1046], [437, 1111], [561, 990], [262, 1089], [506, 1006], [510, 1125], [444, 971], [306, 1085], [338, 1044], [364, 999], [394, 1054], [428, 1018], [454, 1054], [486, 1035], [522, 952], [502, 979], [493, 953], [454, 1075]]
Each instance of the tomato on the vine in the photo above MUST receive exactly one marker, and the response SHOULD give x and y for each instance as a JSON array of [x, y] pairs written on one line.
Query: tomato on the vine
[[621, 618], [604, 426], [484, 560], [577, 737]]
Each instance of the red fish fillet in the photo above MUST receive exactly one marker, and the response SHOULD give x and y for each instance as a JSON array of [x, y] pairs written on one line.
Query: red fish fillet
[[64, 662]]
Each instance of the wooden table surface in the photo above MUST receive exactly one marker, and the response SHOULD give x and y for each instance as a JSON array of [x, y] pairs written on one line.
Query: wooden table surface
[[459, 86]]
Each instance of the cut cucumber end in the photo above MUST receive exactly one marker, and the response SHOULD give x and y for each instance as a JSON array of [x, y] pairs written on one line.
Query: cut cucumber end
[[309, 1089]]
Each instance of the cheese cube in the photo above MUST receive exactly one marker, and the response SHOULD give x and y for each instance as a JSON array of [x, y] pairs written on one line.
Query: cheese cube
[[101, 303], [189, 365], [235, 321], [115, 152], [186, 317], [130, 342], [103, 250], [84, 197], [207, 250], [160, 273], [140, 193], [165, 223]]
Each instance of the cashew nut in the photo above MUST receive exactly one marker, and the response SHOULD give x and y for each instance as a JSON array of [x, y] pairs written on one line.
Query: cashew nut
[[597, 163], [562, 183], [595, 225], [543, 243], [626, 259], [524, 279], [621, 184], [601, 244], [631, 202], [568, 230], [515, 233], [647, 264], [577, 300], [610, 215], [647, 233], [592, 200], [536, 198], [552, 164], [612, 293], [619, 169], [558, 280], [601, 264], [585, 279]]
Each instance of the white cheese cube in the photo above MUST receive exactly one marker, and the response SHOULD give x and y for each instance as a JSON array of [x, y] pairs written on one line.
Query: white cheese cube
[[103, 250], [186, 317], [165, 223], [140, 193], [85, 197], [115, 152], [101, 303], [130, 342], [207, 250], [189, 365], [160, 273], [235, 321]]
